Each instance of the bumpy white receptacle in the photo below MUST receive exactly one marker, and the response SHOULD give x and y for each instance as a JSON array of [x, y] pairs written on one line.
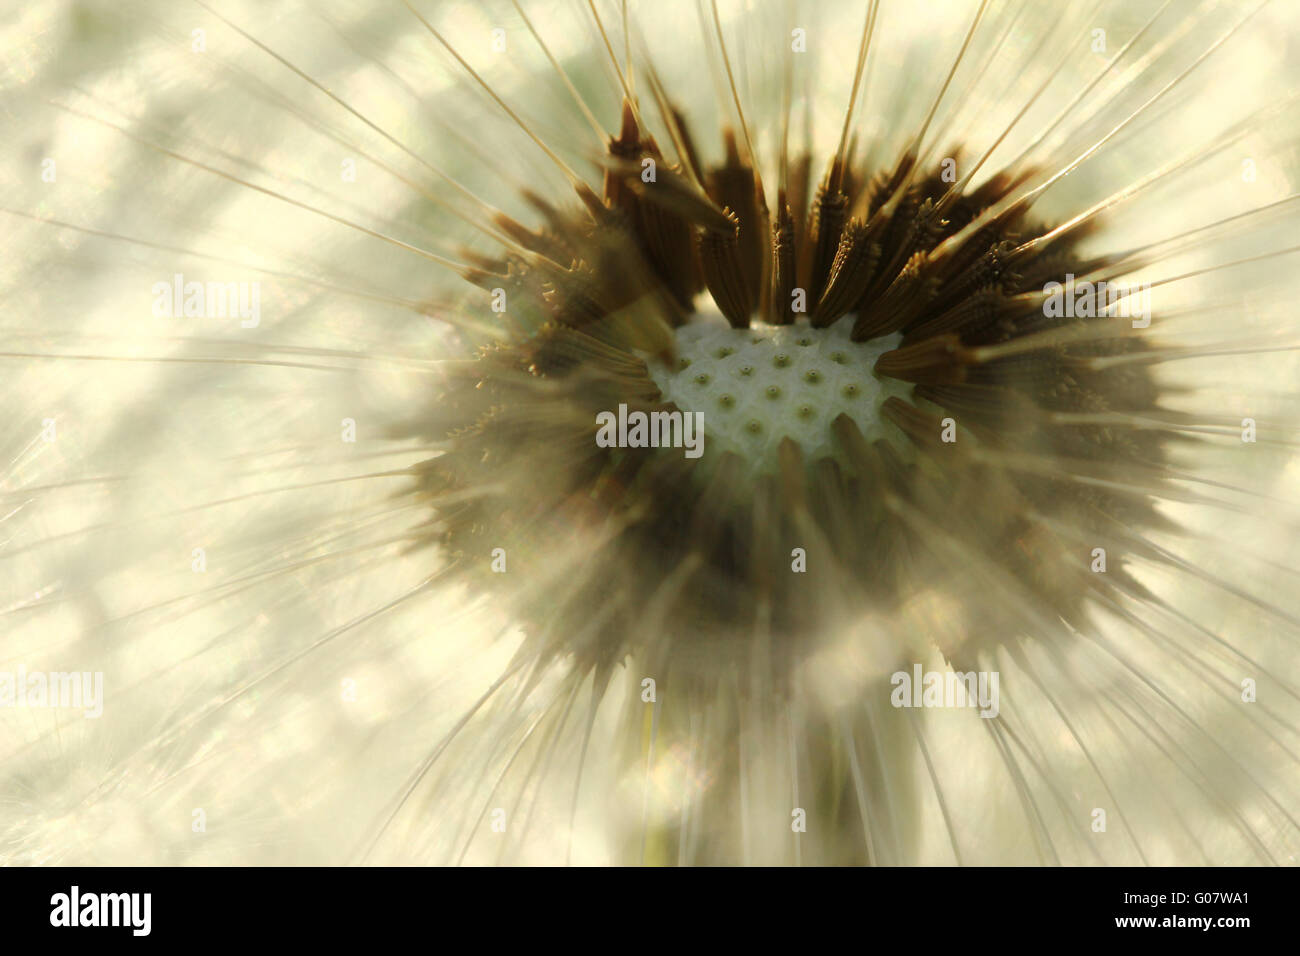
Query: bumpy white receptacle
[[759, 385]]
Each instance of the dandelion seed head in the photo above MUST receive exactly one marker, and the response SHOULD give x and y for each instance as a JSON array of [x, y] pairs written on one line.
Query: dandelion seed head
[[522, 688]]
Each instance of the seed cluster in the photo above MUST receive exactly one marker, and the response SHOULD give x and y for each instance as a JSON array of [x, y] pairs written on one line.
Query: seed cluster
[[886, 394]]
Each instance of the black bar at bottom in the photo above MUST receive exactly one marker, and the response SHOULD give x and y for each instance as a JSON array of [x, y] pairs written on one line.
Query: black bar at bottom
[[634, 907]]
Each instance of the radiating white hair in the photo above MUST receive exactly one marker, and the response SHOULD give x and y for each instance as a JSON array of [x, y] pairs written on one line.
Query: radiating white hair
[[293, 674]]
